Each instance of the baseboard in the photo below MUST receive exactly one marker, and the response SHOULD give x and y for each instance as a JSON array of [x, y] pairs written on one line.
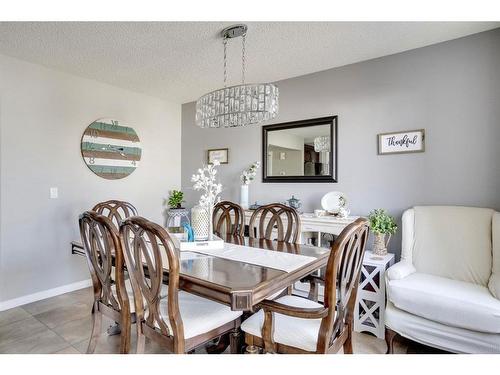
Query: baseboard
[[19, 301]]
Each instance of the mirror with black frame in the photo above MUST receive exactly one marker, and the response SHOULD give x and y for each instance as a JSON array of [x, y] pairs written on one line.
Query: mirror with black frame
[[300, 151]]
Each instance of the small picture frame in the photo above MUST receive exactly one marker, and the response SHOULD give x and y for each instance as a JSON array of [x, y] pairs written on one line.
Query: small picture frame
[[220, 154], [401, 142]]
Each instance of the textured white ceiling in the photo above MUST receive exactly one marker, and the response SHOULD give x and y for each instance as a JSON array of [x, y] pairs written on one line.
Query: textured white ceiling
[[180, 61]]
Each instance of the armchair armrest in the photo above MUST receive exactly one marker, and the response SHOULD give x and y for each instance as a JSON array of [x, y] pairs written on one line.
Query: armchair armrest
[[400, 270], [297, 312]]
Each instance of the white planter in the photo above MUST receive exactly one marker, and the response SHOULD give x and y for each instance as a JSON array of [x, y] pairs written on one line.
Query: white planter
[[380, 244], [244, 197], [200, 221]]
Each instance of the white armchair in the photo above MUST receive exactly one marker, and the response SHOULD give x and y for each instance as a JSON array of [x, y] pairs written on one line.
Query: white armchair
[[445, 291]]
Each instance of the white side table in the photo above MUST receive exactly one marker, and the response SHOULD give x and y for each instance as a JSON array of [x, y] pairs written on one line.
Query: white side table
[[369, 313]]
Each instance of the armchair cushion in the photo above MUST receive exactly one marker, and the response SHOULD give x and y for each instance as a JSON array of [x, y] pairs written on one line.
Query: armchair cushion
[[453, 242], [450, 302], [296, 332]]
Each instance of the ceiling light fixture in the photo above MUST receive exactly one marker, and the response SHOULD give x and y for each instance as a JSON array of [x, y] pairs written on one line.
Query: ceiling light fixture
[[240, 105]]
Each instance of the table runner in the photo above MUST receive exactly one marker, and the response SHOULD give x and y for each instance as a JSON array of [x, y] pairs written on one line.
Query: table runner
[[266, 258]]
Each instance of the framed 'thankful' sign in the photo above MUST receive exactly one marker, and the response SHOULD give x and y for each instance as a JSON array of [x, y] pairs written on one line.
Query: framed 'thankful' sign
[[401, 142]]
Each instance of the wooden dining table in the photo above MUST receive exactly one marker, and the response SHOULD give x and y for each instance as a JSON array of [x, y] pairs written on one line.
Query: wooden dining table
[[239, 284]]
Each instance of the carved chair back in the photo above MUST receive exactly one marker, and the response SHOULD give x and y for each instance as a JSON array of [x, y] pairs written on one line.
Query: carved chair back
[[115, 210], [148, 250], [226, 224], [341, 281], [101, 242], [275, 221]]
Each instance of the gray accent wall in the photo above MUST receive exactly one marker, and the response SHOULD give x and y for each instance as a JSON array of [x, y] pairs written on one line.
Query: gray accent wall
[[451, 89], [43, 114]]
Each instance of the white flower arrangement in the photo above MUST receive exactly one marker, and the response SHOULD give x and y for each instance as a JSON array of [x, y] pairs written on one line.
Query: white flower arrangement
[[206, 181], [248, 175]]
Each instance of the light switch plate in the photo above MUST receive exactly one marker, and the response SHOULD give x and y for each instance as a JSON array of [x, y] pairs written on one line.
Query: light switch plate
[[54, 193]]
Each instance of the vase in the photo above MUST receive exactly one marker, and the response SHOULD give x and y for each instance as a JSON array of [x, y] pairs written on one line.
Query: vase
[[201, 223], [380, 244], [176, 217], [244, 197]]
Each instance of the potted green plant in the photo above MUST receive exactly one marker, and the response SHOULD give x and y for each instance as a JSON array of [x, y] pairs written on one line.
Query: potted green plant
[[176, 215], [176, 199], [381, 224]]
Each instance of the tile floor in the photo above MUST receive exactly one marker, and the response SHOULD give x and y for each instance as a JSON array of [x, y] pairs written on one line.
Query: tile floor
[[63, 324]]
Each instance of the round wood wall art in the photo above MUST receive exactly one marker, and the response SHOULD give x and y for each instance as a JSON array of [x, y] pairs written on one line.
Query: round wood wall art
[[110, 149]]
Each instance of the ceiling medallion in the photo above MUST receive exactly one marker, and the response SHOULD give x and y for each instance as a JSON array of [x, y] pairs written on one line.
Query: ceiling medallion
[[240, 105]]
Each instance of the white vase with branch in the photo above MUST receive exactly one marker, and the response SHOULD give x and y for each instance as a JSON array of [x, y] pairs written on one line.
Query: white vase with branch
[[206, 181], [247, 177]]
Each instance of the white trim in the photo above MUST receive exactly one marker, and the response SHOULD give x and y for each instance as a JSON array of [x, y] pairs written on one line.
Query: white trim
[[19, 301]]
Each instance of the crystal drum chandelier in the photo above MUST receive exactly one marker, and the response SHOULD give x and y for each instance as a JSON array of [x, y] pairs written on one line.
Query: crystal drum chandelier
[[322, 143], [238, 105]]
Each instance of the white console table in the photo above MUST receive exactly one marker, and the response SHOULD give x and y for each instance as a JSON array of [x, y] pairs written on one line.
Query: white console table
[[312, 224]]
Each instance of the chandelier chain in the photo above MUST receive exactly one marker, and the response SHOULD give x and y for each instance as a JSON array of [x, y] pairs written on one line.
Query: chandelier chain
[[243, 58]]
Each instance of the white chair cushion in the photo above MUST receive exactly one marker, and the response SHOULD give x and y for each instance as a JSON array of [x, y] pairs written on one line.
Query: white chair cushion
[[199, 315], [447, 301], [296, 332], [453, 242], [437, 335]]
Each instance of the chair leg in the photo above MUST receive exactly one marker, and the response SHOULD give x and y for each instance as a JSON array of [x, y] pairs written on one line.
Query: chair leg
[[252, 349], [96, 328], [390, 335], [125, 338], [313, 291], [348, 341], [234, 339], [141, 339]]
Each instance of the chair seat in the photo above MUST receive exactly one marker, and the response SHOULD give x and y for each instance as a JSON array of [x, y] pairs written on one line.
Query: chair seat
[[451, 302], [199, 315], [291, 331]]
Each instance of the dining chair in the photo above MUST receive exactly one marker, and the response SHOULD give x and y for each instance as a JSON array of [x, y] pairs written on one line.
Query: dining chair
[[224, 223], [101, 243], [115, 210], [275, 221], [292, 324], [181, 321]]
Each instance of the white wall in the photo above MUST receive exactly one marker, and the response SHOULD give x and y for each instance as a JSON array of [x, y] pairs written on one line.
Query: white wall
[[43, 114]]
